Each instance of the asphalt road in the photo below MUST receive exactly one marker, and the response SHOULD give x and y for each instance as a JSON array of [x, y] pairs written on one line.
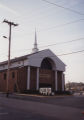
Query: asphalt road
[[9, 113], [41, 108]]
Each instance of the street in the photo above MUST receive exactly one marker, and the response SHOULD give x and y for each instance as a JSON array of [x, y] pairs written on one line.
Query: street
[[41, 108]]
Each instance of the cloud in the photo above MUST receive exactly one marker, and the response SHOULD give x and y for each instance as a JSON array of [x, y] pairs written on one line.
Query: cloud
[[8, 9]]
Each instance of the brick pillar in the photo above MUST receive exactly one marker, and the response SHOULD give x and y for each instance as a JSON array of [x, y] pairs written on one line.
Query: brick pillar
[[37, 80], [28, 78]]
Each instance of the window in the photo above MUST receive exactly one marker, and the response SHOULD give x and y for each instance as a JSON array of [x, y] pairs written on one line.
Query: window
[[13, 75], [5, 76], [46, 64]]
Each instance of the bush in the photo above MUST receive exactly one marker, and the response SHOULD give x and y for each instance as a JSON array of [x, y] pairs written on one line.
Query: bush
[[30, 92]]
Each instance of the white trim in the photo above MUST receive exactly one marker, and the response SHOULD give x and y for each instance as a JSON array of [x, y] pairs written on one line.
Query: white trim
[[56, 86], [36, 60], [37, 80], [28, 78], [18, 64]]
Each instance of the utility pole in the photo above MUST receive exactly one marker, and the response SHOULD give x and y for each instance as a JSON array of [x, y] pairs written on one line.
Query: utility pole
[[8, 72]]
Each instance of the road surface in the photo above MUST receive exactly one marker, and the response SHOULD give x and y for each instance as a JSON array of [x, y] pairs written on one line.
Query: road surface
[[41, 108]]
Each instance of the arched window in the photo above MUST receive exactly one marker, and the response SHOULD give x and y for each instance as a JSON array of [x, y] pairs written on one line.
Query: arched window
[[46, 64]]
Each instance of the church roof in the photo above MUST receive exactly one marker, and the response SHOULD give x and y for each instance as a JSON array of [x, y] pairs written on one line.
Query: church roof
[[35, 59], [16, 59]]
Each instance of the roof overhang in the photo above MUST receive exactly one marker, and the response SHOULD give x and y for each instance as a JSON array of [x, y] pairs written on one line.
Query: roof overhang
[[36, 59]]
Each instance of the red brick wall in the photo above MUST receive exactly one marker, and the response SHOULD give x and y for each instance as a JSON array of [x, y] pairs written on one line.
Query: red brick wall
[[20, 80], [11, 81], [33, 76], [45, 77], [2, 81], [59, 78]]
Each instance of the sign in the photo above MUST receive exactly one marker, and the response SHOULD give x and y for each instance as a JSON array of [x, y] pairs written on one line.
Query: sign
[[45, 76]]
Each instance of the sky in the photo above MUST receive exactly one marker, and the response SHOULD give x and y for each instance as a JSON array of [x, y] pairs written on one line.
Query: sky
[[53, 25]]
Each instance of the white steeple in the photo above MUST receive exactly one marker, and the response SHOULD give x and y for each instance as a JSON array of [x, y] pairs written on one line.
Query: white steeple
[[35, 49]]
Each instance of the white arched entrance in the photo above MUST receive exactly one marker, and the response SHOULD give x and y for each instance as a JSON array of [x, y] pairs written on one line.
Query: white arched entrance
[[47, 73]]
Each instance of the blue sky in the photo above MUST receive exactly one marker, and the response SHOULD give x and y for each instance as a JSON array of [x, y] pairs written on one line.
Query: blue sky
[[48, 21]]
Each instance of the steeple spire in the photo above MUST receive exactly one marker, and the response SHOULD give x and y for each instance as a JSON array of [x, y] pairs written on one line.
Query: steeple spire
[[35, 49]]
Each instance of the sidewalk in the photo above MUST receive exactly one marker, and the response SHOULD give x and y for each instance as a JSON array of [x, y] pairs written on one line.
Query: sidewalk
[[31, 97]]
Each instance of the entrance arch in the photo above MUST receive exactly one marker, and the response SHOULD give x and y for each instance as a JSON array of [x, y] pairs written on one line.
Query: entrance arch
[[48, 63], [47, 74]]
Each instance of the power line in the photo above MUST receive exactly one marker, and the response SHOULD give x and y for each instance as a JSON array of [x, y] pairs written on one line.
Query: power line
[[71, 53], [61, 25], [36, 10], [39, 11], [74, 52], [59, 43], [65, 54], [68, 9], [58, 26]]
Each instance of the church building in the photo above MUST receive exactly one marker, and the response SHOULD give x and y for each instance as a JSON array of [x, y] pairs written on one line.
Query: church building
[[33, 71]]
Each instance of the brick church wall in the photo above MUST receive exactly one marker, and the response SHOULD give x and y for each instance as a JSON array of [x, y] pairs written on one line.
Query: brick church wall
[[3, 81], [11, 81], [33, 76], [22, 79], [59, 78], [17, 78], [46, 77]]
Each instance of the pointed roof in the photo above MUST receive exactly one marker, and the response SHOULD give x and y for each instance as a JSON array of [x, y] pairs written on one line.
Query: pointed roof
[[35, 49]]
